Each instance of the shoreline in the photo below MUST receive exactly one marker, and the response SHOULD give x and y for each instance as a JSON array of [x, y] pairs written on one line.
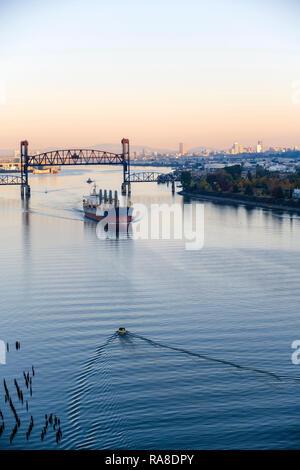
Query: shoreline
[[239, 201]]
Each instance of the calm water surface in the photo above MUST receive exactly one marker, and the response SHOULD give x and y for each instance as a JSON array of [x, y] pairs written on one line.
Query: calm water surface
[[64, 293]]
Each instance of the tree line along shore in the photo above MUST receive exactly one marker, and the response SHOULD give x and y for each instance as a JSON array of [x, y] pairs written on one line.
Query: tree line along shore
[[230, 184]]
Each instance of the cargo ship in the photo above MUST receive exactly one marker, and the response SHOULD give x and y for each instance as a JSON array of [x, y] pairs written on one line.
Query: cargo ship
[[101, 204]]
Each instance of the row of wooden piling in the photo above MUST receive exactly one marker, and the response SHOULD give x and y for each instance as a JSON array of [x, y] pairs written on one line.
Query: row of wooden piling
[[2, 426], [29, 428], [28, 380], [17, 344], [19, 391], [14, 432], [14, 412], [51, 420], [28, 383], [58, 435], [18, 421]]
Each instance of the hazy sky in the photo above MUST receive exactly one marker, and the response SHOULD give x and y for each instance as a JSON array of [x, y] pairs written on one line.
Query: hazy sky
[[84, 72]]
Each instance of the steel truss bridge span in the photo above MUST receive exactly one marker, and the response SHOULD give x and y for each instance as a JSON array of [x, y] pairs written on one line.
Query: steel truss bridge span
[[76, 157], [10, 180], [151, 176], [144, 176]]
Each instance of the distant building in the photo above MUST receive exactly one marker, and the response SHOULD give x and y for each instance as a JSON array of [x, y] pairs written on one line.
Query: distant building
[[182, 148], [278, 167], [235, 148], [296, 194], [146, 152], [259, 147], [213, 166]]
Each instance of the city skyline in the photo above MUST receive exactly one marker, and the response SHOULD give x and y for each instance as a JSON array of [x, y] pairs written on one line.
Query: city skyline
[[182, 149], [188, 73]]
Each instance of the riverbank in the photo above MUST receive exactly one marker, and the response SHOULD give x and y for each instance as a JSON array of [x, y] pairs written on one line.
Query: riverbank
[[237, 200]]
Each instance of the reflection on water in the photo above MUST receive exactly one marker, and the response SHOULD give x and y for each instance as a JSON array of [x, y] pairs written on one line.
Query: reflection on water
[[65, 291]]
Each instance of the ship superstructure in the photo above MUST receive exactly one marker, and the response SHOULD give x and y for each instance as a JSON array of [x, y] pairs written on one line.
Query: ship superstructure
[[102, 204]]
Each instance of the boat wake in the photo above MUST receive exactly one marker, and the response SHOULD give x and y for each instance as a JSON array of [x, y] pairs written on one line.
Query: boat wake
[[209, 358], [94, 389]]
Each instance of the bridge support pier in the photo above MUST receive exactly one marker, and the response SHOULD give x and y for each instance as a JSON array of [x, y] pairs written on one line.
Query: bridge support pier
[[124, 190], [25, 191]]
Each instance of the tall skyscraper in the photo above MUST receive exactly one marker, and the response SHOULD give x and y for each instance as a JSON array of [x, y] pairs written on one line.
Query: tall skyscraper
[[259, 147], [182, 148], [235, 148]]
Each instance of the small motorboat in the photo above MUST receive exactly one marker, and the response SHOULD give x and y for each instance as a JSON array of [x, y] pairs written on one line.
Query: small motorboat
[[122, 331], [89, 181]]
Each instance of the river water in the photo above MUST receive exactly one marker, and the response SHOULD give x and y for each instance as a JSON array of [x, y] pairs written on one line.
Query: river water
[[65, 292]]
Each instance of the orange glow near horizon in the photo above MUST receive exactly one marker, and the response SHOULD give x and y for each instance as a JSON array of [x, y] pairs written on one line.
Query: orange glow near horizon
[[230, 80]]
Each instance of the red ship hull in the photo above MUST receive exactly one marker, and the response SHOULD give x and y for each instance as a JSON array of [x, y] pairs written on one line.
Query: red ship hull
[[110, 220]]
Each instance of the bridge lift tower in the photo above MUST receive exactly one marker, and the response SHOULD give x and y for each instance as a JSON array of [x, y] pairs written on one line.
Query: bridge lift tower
[[25, 188], [126, 167]]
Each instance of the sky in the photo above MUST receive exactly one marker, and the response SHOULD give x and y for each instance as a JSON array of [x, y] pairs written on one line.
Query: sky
[[208, 73]]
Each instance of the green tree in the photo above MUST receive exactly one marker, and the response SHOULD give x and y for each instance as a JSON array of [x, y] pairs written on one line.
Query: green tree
[[249, 190], [204, 185], [186, 179], [260, 171], [278, 192], [235, 171]]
